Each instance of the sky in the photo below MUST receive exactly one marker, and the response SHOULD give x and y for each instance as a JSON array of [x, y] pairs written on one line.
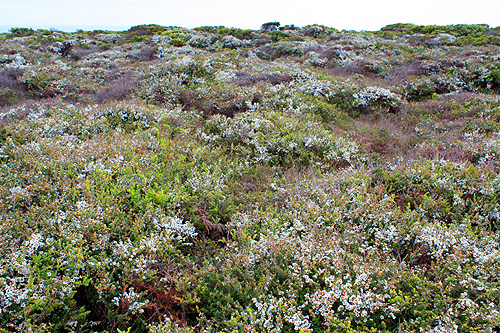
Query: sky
[[69, 15]]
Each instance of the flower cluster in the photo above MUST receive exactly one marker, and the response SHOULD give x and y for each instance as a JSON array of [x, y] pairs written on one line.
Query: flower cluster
[[375, 96]]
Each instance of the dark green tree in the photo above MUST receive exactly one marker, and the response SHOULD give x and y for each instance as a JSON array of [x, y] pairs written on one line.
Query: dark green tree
[[270, 26]]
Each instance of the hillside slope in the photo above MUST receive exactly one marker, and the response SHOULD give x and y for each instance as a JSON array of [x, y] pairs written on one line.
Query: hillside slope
[[289, 179]]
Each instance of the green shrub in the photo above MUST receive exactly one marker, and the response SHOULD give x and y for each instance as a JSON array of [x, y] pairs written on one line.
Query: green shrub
[[140, 32], [458, 30], [270, 26], [177, 42], [38, 83], [133, 39], [21, 32], [236, 32], [278, 35], [418, 89], [211, 29]]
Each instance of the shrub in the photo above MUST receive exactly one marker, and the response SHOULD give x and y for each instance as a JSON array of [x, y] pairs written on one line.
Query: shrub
[[21, 32], [289, 27], [329, 112], [449, 192], [223, 99], [279, 49], [282, 142], [339, 92], [200, 42], [177, 42], [235, 32], [141, 32], [165, 85], [315, 60], [231, 42], [109, 38], [210, 29], [278, 35], [314, 31], [270, 26], [458, 30], [375, 97], [38, 83], [399, 27], [448, 83], [418, 89], [62, 48]]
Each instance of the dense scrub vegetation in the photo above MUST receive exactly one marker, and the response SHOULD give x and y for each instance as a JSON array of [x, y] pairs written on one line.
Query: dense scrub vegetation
[[289, 179]]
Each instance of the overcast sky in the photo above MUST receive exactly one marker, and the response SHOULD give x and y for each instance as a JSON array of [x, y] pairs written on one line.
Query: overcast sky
[[69, 15]]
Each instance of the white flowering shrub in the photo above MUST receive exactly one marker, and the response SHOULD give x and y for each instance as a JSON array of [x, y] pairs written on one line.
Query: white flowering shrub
[[280, 142], [199, 42], [449, 83], [315, 60], [317, 279], [41, 273], [418, 89], [339, 91], [127, 116], [480, 75], [231, 42], [109, 38], [375, 96], [305, 276], [15, 61], [163, 86], [451, 192]]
